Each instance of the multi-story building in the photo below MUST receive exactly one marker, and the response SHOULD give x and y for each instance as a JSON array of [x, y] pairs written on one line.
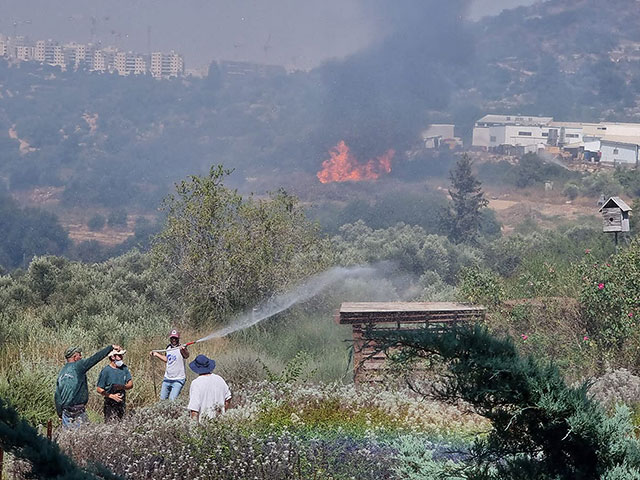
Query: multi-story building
[[58, 57], [39, 51], [165, 65], [120, 63], [129, 63], [99, 61], [75, 55], [24, 52], [92, 57], [136, 64]]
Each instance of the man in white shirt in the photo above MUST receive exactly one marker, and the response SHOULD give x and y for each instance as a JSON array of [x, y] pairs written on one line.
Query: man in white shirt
[[174, 375], [209, 394]]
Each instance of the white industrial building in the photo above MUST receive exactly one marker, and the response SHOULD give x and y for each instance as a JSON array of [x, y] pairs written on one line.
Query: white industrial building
[[620, 150], [438, 134], [606, 142]]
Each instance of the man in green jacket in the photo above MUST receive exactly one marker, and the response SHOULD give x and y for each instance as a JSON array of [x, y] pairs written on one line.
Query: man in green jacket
[[72, 393]]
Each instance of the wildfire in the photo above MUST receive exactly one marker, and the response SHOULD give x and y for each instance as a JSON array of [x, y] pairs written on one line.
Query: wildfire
[[344, 167]]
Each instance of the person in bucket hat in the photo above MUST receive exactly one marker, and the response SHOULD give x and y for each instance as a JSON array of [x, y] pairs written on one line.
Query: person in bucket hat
[[174, 373], [209, 394], [72, 392], [113, 382]]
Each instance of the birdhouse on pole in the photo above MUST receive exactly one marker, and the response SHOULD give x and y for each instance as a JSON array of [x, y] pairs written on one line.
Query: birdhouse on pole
[[615, 216]]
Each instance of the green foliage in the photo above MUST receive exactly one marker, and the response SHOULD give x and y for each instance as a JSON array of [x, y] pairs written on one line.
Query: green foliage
[[480, 287], [27, 386], [602, 183], [529, 171], [462, 218], [28, 232], [117, 218], [382, 210], [610, 296], [291, 373], [45, 457], [571, 190], [541, 428], [414, 462], [408, 247], [629, 178], [532, 170], [116, 301], [230, 252]]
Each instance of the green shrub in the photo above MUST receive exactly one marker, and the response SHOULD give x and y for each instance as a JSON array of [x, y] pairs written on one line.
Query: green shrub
[[28, 387], [481, 287], [610, 296], [117, 218], [571, 190]]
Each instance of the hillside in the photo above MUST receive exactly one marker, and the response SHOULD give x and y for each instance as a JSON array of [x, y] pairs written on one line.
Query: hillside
[[108, 142], [574, 60]]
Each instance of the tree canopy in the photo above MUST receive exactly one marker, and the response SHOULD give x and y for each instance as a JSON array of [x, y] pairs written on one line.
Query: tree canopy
[[467, 200], [230, 251]]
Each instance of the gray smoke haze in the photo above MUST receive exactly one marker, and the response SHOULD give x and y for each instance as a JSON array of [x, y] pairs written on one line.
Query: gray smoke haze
[[380, 98], [298, 34]]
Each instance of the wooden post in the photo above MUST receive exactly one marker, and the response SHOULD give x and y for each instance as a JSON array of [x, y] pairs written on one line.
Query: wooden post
[[49, 429], [1, 462]]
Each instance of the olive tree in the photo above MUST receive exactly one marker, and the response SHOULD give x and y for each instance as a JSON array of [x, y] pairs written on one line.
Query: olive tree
[[230, 252]]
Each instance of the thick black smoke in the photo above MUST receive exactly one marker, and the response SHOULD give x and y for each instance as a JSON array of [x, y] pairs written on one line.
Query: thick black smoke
[[380, 98]]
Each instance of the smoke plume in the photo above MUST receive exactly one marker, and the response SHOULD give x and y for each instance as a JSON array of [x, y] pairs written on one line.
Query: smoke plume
[[380, 98]]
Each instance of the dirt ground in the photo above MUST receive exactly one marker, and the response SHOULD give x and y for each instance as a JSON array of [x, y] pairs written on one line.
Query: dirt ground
[[74, 220], [512, 207]]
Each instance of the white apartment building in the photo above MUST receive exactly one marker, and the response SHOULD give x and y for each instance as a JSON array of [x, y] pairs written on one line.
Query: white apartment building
[[24, 52], [76, 55], [58, 57], [120, 63], [129, 63], [165, 65], [99, 62], [39, 51], [92, 57]]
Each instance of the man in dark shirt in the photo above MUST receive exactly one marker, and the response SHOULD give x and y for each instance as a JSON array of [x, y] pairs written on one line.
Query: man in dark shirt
[[72, 393], [113, 382]]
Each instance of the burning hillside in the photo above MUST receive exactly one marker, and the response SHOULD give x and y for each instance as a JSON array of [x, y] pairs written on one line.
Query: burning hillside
[[343, 166]]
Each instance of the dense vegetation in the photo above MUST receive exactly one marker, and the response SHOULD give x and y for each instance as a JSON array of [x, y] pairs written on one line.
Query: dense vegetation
[[563, 302], [118, 142]]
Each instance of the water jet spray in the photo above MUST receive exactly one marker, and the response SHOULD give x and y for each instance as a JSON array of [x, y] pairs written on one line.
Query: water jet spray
[[309, 289]]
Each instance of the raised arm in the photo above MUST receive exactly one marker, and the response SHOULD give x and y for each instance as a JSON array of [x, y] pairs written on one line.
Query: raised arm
[[160, 356], [87, 363]]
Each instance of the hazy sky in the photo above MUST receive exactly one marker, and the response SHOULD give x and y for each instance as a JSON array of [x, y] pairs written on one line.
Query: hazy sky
[[296, 33]]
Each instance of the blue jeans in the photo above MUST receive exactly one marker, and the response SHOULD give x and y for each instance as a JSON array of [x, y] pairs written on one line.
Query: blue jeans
[[73, 421], [171, 388]]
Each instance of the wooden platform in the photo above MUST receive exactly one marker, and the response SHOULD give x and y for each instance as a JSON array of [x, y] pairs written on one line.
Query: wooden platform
[[369, 362]]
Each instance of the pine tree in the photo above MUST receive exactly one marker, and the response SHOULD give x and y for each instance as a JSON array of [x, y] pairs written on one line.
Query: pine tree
[[462, 217], [542, 429]]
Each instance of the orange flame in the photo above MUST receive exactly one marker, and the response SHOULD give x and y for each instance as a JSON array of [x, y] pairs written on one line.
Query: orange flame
[[344, 167]]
